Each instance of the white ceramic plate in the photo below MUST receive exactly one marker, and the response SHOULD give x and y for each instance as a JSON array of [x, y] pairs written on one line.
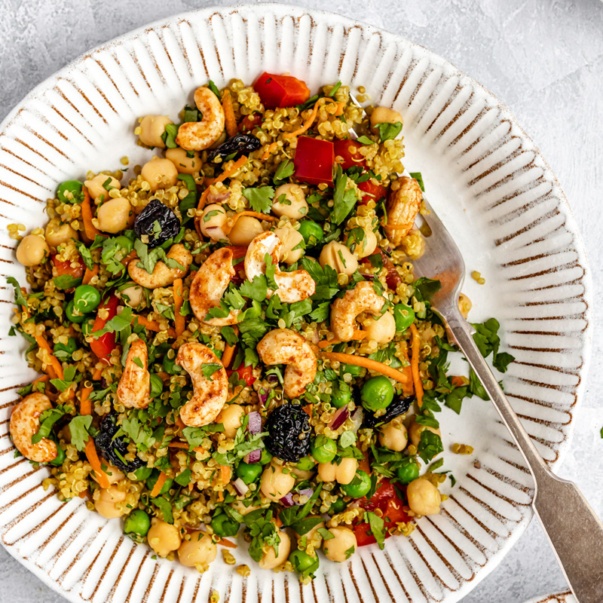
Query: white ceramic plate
[[483, 175], [565, 597]]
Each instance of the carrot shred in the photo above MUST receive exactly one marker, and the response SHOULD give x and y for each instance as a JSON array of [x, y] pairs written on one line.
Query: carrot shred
[[41, 379], [178, 318], [85, 402], [364, 464], [271, 148], [308, 123], [152, 325], [238, 164], [227, 543], [55, 367], [90, 274], [325, 343], [372, 365], [92, 456], [181, 445], [90, 230], [97, 374], [229, 114], [414, 363], [225, 473], [158, 485], [228, 354], [180, 423]]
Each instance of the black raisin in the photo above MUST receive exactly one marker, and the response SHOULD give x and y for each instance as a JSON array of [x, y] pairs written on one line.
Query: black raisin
[[158, 222], [396, 408], [288, 429], [239, 144], [112, 449]]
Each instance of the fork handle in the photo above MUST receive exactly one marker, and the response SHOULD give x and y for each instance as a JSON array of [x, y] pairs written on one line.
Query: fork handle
[[574, 530]]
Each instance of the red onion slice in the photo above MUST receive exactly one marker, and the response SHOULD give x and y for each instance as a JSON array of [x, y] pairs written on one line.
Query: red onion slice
[[240, 486], [253, 457], [254, 424], [307, 492], [287, 501], [339, 418]]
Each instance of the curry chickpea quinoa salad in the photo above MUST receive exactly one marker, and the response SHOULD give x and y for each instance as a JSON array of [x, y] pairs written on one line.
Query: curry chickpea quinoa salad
[[235, 342]]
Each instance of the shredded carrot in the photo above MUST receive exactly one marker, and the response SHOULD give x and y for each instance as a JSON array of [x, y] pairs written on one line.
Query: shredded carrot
[[308, 409], [308, 123], [358, 336], [229, 114], [459, 381], [178, 318], [158, 485], [414, 363], [182, 445], [90, 274], [152, 325], [271, 148], [228, 354], [90, 230], [225, 473], [364, 464], [220, 496], [180, 423], [372, 365], [227, 543], [55, 367], [253, 214], [237, 165], [92, 456], [41, 379], [97, 374], [85, 402], [163, 376]]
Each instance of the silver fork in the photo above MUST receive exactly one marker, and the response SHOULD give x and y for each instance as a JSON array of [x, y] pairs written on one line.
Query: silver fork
[[574, 530]]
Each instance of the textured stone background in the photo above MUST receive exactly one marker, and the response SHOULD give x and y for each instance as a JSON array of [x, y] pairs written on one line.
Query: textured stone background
[[544, 58]]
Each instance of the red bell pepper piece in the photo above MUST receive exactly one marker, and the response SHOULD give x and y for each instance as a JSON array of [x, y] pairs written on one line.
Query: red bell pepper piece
[[348, 151], [314, 160], [103, 346], [245, 373], [249, 122], [372, 191], [73, 268], [281, 90]]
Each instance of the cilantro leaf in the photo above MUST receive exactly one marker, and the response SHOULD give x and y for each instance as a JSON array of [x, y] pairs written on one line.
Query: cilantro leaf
[[139, 433], [321, 312], [117, 324], [19, 297], [256, 289], [78, 428], [502, 360], [252, 331], [365, 140], [214, 89], [209, 369], [426, 288], [85, 254], [389, 131], [260, 198], [284, 170], [229, 335], [195, 435], [344, 198], [169, 136], [184, 478], [419, 178], [47, 420], [164, 505], [430, 445], [377, 525]]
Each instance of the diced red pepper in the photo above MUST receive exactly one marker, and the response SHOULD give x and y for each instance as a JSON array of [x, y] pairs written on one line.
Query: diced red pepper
[[73, 268], [348, 151], [249, 122], [372, 191], [103, 346], [281, 90], [245, 373], [314, 160], [392, 279]]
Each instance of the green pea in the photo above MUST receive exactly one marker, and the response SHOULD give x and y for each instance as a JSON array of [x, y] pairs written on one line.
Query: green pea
[[86, 299], [408, 471], [324, 449], [338, 506], [249, 472], [377, 393], [73, 314], [359, 486], [153, 480], [355, 371], [404, 316], [311, 231], [303, 563], [88, 327], [341, 395], [156, 385], [223, 525], [143, 473], [70, 191], [306, 464], [170, 366], [59, 459], [266, 457], [138, 522], [63, 351]]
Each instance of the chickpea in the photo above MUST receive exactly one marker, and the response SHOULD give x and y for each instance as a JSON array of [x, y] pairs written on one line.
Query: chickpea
[[100, 186], [32, 250], [339, 257], [294, 204], [275, 483], [56, 233], [416, 429], [245, 230], [341, 546], [393, 435], [132, 296], [114, 215], [382, 329], [293, 244], [198, 552], [151, 129], [108, 501], [423, 497], [385, 115], [342, 473], [163, 538], [183, 162], [213, 221], [230, 417], [367, 246], [270, 559], [159, 173]]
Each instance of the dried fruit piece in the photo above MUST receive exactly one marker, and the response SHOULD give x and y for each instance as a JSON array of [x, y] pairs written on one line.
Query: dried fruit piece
[[239, 144], [289, 431], [158, 222], [113, 449]]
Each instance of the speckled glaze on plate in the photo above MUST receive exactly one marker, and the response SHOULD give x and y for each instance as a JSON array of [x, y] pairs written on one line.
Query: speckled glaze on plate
[[483, 175], [565, 597]]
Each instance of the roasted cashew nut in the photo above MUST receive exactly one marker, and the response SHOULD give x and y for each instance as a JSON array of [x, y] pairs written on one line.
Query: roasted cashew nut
[[402, 208], [345, 310], [200, 135], [24, 424], [209, 393], [208, 287], [134, 387], [162, 275], [292, 286], [283, 346]]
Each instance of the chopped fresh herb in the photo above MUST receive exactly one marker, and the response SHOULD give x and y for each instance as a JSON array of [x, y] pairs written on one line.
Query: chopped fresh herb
[[377, 525], [191, 114], [47, 420], [19, 297], [321, 312], [419, 178], [389, 131], [117, 324], [79, 430], [229, 335], [260, 198], [488, 341], [430, 445], [169, 136], [334, 89], [139, 433], [66, 281], [326, 534], [214, 89], [195, 435], [184, 478], [344, 198], [364, 140], [475, 386], [107, 184], [426, 288], [347, 439], [209, 369], [256, 289], [325, 278], [164, 505], [85, 254], [210, 214], [263, 532], [270, 272], [284, 170]]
